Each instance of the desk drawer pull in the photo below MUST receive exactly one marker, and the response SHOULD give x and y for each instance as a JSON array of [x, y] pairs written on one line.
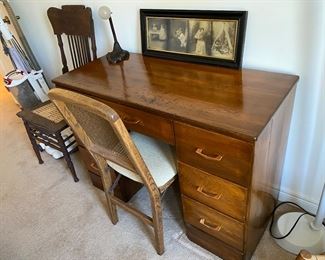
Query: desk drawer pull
[[218, 158], [94, 166], [208, 194], [131, 121], [215, 228]]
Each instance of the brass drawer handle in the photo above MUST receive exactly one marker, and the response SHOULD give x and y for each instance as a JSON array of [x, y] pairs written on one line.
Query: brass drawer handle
[[218, 158], [131, 121], [208, 194], [215, 228], [94, 166]]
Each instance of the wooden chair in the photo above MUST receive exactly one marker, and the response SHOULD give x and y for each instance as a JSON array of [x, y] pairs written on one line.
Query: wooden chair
[[75, 21], [133, 155], [44, 123]]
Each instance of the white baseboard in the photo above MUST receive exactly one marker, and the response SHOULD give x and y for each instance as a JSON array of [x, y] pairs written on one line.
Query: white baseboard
[[309, 206]]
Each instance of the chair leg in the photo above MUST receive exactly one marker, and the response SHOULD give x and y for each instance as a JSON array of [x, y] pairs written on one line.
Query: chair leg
[[112, 210], [66, 156], [158, 226], [109, 192], [34, 144]]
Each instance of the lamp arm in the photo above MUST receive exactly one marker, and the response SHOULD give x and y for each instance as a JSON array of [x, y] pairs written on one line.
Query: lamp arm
[[112, 28]]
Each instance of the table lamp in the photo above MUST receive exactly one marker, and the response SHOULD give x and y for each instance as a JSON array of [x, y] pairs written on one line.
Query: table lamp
[[118, 54]]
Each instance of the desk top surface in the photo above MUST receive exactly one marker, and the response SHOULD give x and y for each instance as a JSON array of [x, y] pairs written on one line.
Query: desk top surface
[[238, 103]]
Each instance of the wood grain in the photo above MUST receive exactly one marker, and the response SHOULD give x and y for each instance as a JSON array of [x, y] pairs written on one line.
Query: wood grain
[[237, 155], [215, 192], [238, 103], [214, 223], [212, 244], [143, 122]]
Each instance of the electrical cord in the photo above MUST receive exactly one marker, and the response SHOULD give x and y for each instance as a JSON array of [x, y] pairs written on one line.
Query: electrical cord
[[296, 222]]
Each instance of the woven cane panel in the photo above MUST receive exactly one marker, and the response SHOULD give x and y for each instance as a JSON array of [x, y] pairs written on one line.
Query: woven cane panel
[[49, 112], [100, 132]]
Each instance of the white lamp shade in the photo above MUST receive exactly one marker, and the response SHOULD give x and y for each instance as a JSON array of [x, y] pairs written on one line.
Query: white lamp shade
[[104, 12]]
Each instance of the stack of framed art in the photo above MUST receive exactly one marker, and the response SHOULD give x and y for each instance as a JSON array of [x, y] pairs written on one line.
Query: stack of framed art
[[211, 37]]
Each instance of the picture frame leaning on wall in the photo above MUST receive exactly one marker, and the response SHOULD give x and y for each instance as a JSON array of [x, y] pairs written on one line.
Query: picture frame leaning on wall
[[210, 37]]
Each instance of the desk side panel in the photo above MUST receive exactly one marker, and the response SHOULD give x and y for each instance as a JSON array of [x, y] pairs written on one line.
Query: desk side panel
[[270, 149]]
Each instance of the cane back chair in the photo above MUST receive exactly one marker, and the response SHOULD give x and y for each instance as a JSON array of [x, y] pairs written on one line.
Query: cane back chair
[[133, 155], [74, 21]]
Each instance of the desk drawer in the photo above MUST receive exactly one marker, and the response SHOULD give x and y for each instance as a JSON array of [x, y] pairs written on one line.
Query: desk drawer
[[214, 223], [218, 154], [212, 244], [145, 123], [213, 191]]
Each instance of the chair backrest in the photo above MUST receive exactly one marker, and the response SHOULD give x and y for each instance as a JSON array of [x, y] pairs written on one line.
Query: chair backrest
[[76, 22], [102, 132]]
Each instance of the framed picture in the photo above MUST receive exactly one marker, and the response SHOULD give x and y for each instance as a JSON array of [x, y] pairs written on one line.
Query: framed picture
[[211, 37]]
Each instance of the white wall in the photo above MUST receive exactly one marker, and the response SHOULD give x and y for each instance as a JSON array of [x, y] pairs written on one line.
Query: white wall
[[284, 36]]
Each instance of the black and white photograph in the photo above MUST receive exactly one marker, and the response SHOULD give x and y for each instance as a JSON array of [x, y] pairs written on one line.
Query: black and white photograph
[[224, 39], [178, 35], [157, 33], [211, 37], [200, 37]]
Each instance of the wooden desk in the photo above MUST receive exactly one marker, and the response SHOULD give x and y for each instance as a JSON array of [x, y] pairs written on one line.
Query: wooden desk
[[230, 130]]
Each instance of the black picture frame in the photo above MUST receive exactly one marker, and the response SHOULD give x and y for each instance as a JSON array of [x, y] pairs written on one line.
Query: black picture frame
[[210, 37]]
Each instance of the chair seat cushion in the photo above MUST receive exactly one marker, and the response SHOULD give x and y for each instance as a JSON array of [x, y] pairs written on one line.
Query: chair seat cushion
[[158, 156]]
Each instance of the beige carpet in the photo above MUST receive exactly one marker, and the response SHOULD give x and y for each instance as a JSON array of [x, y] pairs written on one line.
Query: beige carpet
[[45, 215]]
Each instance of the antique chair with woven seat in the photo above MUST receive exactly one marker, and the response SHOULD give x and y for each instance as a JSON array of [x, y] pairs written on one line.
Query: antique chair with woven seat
[[44, 123], [116, 151]]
